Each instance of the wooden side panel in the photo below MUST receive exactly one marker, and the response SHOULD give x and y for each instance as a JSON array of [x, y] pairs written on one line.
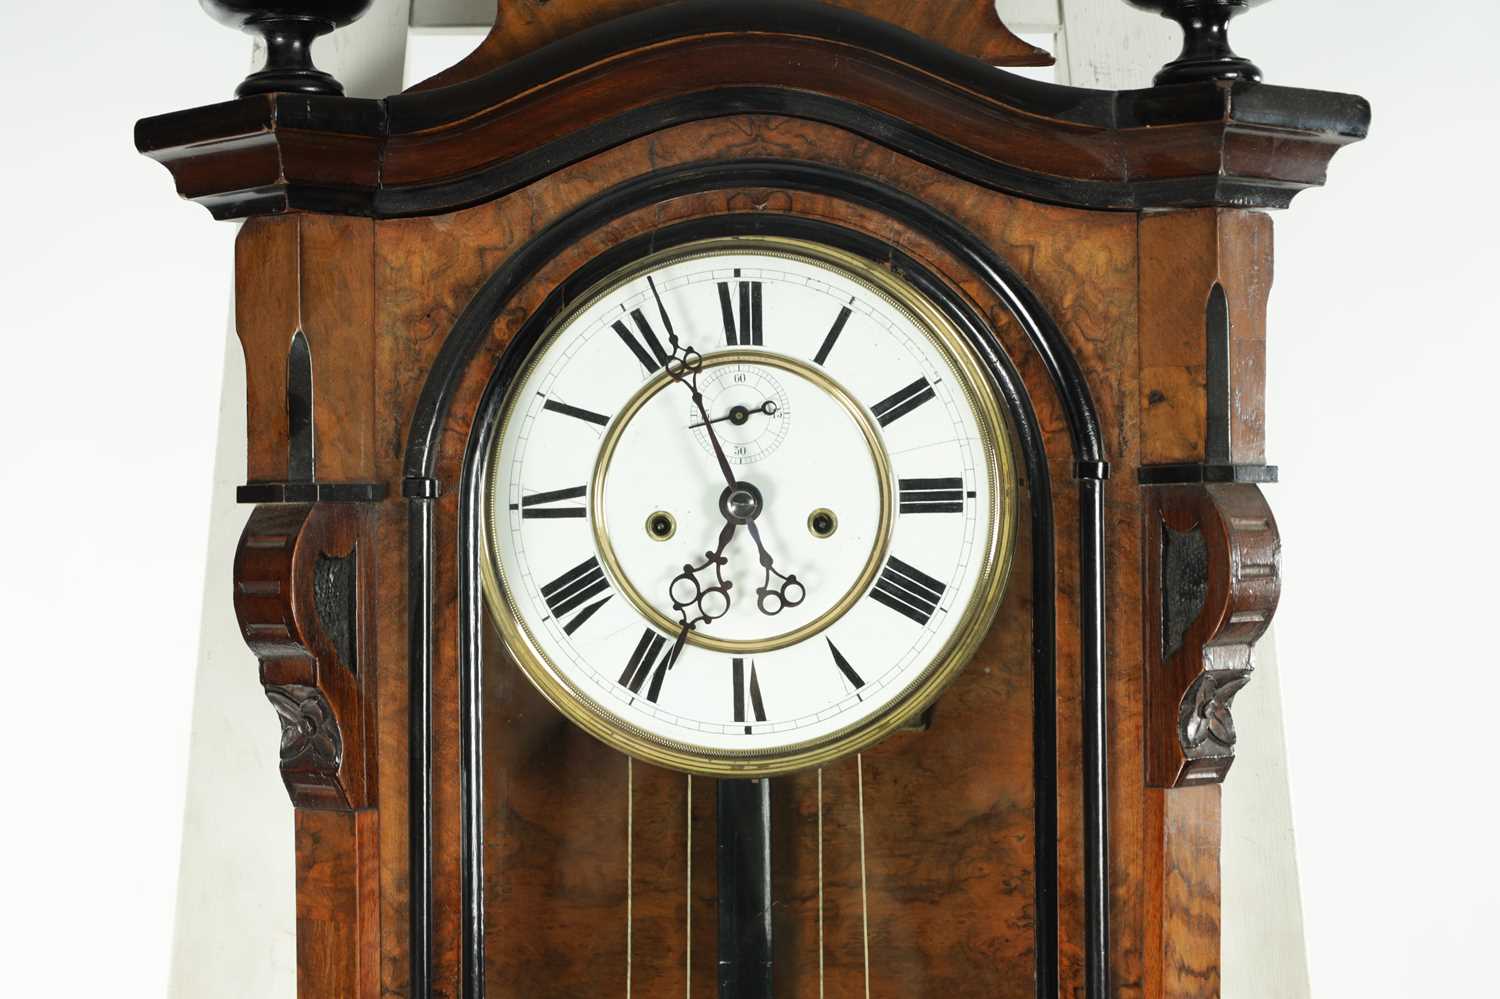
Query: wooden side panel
[[266, 310], [312, 274], [338, 303], [1245, 253], [1182, 883], [338, 931], [392, 746], [1183, 256]]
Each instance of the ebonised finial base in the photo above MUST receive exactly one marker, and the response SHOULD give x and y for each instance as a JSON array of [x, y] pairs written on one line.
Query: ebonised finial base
[[289, 30], [1206, 54]]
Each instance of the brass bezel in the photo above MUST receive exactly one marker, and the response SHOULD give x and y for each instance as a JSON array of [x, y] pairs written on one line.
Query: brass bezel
[[945, 664], [878, 551]]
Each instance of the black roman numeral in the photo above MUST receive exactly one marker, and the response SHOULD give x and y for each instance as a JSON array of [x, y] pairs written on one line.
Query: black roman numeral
[[907, 590], [578, 585], [757, 706], [586, 415], [893, 407], [833, 335], [646, 654], [932, 495], [748, 330], [843, 665], [534, 507], [656, 358]]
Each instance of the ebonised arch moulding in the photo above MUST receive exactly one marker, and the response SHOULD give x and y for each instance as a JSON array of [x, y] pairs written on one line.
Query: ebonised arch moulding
[[461, 350]]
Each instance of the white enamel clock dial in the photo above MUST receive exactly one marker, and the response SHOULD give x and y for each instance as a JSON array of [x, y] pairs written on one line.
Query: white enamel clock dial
[[750, 506]]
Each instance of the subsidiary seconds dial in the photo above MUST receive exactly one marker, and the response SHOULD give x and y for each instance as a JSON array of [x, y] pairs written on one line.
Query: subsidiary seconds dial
[[751, 506]]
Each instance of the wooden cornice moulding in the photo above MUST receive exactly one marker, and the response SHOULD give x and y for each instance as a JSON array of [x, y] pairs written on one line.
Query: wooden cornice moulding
[[301, 592], [1215, 143], [971, 27]]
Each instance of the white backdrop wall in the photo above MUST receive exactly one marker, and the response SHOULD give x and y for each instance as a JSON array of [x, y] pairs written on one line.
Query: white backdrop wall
[[111, 341], [1380, 412], [1382, 346]]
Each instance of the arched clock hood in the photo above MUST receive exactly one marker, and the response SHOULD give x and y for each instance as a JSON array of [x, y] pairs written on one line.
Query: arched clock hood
[[1233, 143]]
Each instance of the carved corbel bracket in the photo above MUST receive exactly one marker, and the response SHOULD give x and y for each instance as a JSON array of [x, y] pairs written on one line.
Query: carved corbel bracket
[[301, 590], [1213, 580]]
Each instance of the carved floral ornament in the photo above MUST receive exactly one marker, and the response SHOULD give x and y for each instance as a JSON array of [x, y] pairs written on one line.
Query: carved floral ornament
[[1206, 712], [309, 732]]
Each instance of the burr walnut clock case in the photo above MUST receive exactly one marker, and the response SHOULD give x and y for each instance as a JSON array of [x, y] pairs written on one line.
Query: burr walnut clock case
[[751, 498]]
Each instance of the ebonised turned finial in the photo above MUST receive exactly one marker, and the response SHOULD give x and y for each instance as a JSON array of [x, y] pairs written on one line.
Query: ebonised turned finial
[[289, 28], [1206, 54]]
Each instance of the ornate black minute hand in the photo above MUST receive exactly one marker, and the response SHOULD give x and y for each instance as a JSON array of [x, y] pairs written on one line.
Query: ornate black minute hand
[[683, 367]]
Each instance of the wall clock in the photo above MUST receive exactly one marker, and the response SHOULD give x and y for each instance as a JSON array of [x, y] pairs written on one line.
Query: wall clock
[[752, 499]]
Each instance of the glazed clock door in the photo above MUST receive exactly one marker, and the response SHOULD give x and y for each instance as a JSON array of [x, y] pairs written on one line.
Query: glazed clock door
[[746, 498], [749, 508]]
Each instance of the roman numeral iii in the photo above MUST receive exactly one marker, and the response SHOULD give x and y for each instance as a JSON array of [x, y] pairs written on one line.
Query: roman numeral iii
[[577, 586], [932, 495], [648, 653], [743, 328], [907, 590]]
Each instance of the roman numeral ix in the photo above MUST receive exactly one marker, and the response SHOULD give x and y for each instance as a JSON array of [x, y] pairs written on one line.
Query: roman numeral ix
[[907, 590], [537, 505], [893, 407], [648, 653], [932, 495], [748, 330], [578, 585], [741, 688]]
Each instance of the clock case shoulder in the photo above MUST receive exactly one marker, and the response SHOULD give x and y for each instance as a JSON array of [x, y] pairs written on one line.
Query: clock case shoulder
[[1215, 143]]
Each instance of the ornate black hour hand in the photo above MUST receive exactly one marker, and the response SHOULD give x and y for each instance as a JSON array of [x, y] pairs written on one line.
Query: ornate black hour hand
[[740, 415], [787, 592], [706, 603]]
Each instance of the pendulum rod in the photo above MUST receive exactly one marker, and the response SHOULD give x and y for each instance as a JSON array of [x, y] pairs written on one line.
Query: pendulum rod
[[744, 829]]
